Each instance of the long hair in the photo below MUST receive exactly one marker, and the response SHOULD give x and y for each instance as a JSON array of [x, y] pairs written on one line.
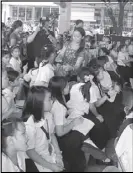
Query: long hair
[[8, 129], [15, 25], [56, 86], [34, 104], [85, 89], [82, 43]]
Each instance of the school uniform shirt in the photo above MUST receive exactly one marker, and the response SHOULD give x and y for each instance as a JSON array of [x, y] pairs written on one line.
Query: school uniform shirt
[[16, 64], [8, 165], [122, 56], [94, 93], [59, 113], [31, 76], [107, 66], [77, 105], [45, 73], [106, 83], [37, 139], [130, 49], [124, 150]]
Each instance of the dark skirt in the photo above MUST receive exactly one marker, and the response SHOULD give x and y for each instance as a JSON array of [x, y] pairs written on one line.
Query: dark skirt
[[71, 145]]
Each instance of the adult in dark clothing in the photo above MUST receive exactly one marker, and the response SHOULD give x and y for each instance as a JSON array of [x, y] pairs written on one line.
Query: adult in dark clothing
[[40, 38]]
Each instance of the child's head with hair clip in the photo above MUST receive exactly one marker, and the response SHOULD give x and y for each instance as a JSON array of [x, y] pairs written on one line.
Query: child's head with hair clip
[[84, 76], [6, 57], [15, 51], [13, 77], [13, 135]]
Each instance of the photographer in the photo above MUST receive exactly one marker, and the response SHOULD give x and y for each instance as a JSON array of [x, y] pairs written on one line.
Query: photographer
[[40, 38]]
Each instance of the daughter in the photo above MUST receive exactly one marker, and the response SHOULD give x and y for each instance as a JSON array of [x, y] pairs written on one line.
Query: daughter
[[13, 146], [42, 148]]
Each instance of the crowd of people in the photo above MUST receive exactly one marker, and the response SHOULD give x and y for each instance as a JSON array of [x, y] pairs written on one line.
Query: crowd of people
[[62, 100]]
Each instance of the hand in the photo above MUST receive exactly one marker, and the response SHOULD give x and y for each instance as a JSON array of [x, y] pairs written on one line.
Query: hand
[[25, 68], [56, 167], [78, 121], [100, 118], [38, 28], [59, 160]]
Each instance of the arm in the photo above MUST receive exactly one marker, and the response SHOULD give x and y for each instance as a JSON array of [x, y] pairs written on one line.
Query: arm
[[79, 63], [32, 36], [93, 109], [64, 129], [127, 61], [101, 101], [55, 144], [38, 159]]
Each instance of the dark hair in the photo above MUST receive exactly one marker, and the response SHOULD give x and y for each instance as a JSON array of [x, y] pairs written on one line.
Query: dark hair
[[82, 44], [79, 21], [105, 50], [92, 42], [8, 128], [14, 47], [57, 85], [34, 104], [93, 65], [85, 89], [43, 21], [5, 52], [121, 47], [12, 75], [103, 59]]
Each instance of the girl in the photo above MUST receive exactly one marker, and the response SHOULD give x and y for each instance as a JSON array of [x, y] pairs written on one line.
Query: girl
[[111, 106], [16, 62], [46, 69], [124, 64], [71, 56], [109, 65], [69, 141], [13, 146], [6, 58], [42, 144]]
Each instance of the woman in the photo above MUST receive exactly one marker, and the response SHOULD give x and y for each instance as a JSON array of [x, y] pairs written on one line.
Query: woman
[[42, 147], [15, 34], [13, 145], [71, 57]]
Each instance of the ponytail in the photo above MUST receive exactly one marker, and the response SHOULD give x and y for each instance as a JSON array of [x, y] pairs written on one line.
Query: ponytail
[[85, 89]]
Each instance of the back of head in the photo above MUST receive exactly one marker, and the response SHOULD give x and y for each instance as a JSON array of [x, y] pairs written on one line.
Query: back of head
[[12, 75], [56, 86], [78, 22], [34, 104]]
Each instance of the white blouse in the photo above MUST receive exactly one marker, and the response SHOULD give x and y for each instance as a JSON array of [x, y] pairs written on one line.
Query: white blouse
[[8, 165]]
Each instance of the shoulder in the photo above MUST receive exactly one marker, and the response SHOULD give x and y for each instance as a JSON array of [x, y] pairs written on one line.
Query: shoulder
[[13, 36]]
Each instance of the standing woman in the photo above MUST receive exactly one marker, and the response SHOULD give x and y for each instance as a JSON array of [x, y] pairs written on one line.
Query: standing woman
[[71, 57], [15, 33]]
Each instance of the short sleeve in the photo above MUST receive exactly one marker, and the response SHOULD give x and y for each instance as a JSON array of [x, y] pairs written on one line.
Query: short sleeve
[[59, 114], [30, 132], [94, 94]]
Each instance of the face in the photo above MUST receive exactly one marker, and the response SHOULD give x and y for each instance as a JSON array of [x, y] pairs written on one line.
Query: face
[[100, 75], [6, 59], [107, 40], [5, 80], [81, 25], [47, 25], [16, 53], [123, 49], [127, 42], [77, 37], [66, 90], [47, 102], [20, 29], [16, 83], [19, 139]]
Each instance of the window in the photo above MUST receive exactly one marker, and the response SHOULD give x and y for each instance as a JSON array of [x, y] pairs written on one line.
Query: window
[[14, 12], [55, 10], [28, 13], [38, 13], [22, 13], [46, 11]]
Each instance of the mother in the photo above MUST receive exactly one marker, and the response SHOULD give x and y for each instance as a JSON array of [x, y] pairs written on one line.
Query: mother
[[71, 57]]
